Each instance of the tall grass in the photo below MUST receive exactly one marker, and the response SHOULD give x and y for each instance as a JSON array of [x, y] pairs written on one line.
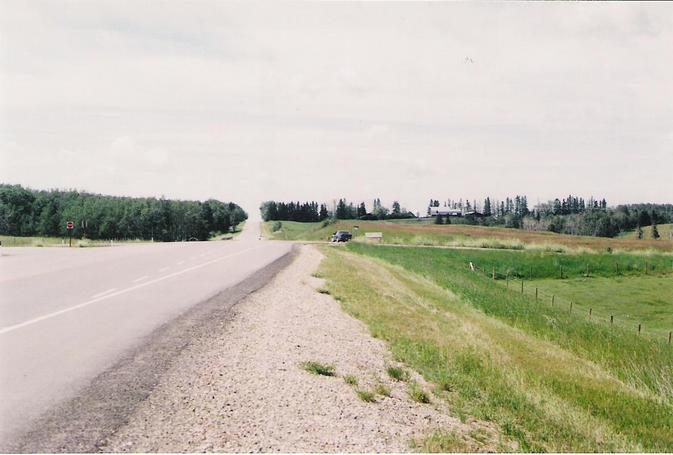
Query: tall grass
[[551, 380]]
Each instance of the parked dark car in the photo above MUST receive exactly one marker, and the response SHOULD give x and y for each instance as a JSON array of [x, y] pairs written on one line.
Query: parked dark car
[[341, 236]]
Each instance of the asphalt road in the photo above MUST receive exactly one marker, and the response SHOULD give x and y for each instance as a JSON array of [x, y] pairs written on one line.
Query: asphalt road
[[66, 315]]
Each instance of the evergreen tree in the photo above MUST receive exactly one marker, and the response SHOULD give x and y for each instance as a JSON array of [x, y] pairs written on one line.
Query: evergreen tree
[[396, 209], [655, 232], [438, 219], [639, 232], [487, 206], [362, 210]]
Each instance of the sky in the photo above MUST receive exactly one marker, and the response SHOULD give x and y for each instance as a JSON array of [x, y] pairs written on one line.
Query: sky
[[294, 101]]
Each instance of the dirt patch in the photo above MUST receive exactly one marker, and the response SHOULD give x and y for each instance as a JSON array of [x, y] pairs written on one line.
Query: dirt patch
[[246, 389]]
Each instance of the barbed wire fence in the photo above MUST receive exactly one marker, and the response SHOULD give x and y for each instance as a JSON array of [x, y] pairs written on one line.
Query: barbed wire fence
[[543, 297]]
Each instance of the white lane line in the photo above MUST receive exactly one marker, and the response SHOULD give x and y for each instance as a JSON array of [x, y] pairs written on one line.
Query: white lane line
[[138, 280], [163, 269], [20, 325], [101, 294], [179, 262]]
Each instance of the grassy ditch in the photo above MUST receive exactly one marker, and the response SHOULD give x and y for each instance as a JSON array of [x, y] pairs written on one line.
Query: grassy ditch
[[551, 381]]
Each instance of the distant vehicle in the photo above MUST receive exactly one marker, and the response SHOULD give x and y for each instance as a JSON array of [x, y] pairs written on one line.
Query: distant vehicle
[[341, 236]]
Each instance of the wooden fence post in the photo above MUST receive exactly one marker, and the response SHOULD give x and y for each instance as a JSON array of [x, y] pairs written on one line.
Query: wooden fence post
[[522, 285], [612, 319], [639, 327], [590, 310], [669, 337], [536, 294], [571, 307], [552, 299]]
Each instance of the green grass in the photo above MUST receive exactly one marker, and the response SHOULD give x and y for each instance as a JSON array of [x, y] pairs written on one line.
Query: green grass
[[538, 264], [382, 389], [397, 374], [417, 394], [351, 380], [318, 368], [366, 396], [632, 300], [550, 380]]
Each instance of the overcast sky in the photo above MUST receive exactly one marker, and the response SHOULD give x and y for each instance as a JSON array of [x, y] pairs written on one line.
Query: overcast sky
[[253, 101]]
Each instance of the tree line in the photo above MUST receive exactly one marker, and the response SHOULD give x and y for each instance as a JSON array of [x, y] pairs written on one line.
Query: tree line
[[293, 211], [27, 212], [343, 210], [567, 215]]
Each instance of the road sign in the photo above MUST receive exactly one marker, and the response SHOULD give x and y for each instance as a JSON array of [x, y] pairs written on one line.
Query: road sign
[[70, 225]]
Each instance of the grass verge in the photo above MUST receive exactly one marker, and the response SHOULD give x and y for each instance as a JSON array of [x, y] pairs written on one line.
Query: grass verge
[[549, 380]]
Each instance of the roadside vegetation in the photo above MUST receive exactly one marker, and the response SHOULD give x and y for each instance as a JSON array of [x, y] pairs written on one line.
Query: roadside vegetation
[[318, 368], [550, 379], [33, 241]]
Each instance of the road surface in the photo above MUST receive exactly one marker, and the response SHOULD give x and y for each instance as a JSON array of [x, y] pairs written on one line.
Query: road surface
[[67, 315]]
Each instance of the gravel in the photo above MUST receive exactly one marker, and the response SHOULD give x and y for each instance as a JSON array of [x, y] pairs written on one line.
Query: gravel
[[244, 389]]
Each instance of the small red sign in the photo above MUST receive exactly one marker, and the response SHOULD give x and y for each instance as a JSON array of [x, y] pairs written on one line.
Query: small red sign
[[70, 225]]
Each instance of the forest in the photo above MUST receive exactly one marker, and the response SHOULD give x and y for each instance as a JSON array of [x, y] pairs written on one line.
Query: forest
[[28, 212]]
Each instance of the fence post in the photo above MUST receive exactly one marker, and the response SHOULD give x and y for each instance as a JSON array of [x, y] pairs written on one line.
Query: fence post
[[612, 319], [494, 273], [571, 307], [587, 270], [590, 310], [522, 285], [552, 299], [536, 294], [669, 337], [639, 327]]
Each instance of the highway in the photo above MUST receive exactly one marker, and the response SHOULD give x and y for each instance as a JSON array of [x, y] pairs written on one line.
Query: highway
[[68, 314]]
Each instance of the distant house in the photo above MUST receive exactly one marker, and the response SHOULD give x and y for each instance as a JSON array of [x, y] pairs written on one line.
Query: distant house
[[445, 211]]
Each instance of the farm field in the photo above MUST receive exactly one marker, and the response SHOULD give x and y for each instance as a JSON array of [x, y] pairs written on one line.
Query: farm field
[[632, 300], [411, 232], [551, 380]]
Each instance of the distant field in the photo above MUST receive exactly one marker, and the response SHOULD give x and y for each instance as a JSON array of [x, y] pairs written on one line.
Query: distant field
[[633, 300], [665, 232], [412, 232], [551, 380]]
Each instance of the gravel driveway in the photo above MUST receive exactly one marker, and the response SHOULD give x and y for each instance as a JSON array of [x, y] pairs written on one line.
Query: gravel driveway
[[245, 390]]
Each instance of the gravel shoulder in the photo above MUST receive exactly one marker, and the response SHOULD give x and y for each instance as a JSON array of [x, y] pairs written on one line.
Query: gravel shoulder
[[243, 388]]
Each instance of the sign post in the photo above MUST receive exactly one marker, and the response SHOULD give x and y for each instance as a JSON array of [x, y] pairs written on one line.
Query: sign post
[[70, 225]]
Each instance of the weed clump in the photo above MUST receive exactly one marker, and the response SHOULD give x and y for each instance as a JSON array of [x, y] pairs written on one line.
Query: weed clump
[[382, 390], [319, 369], [366, 396], [417, 394], [398, 374], [351, 380]]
